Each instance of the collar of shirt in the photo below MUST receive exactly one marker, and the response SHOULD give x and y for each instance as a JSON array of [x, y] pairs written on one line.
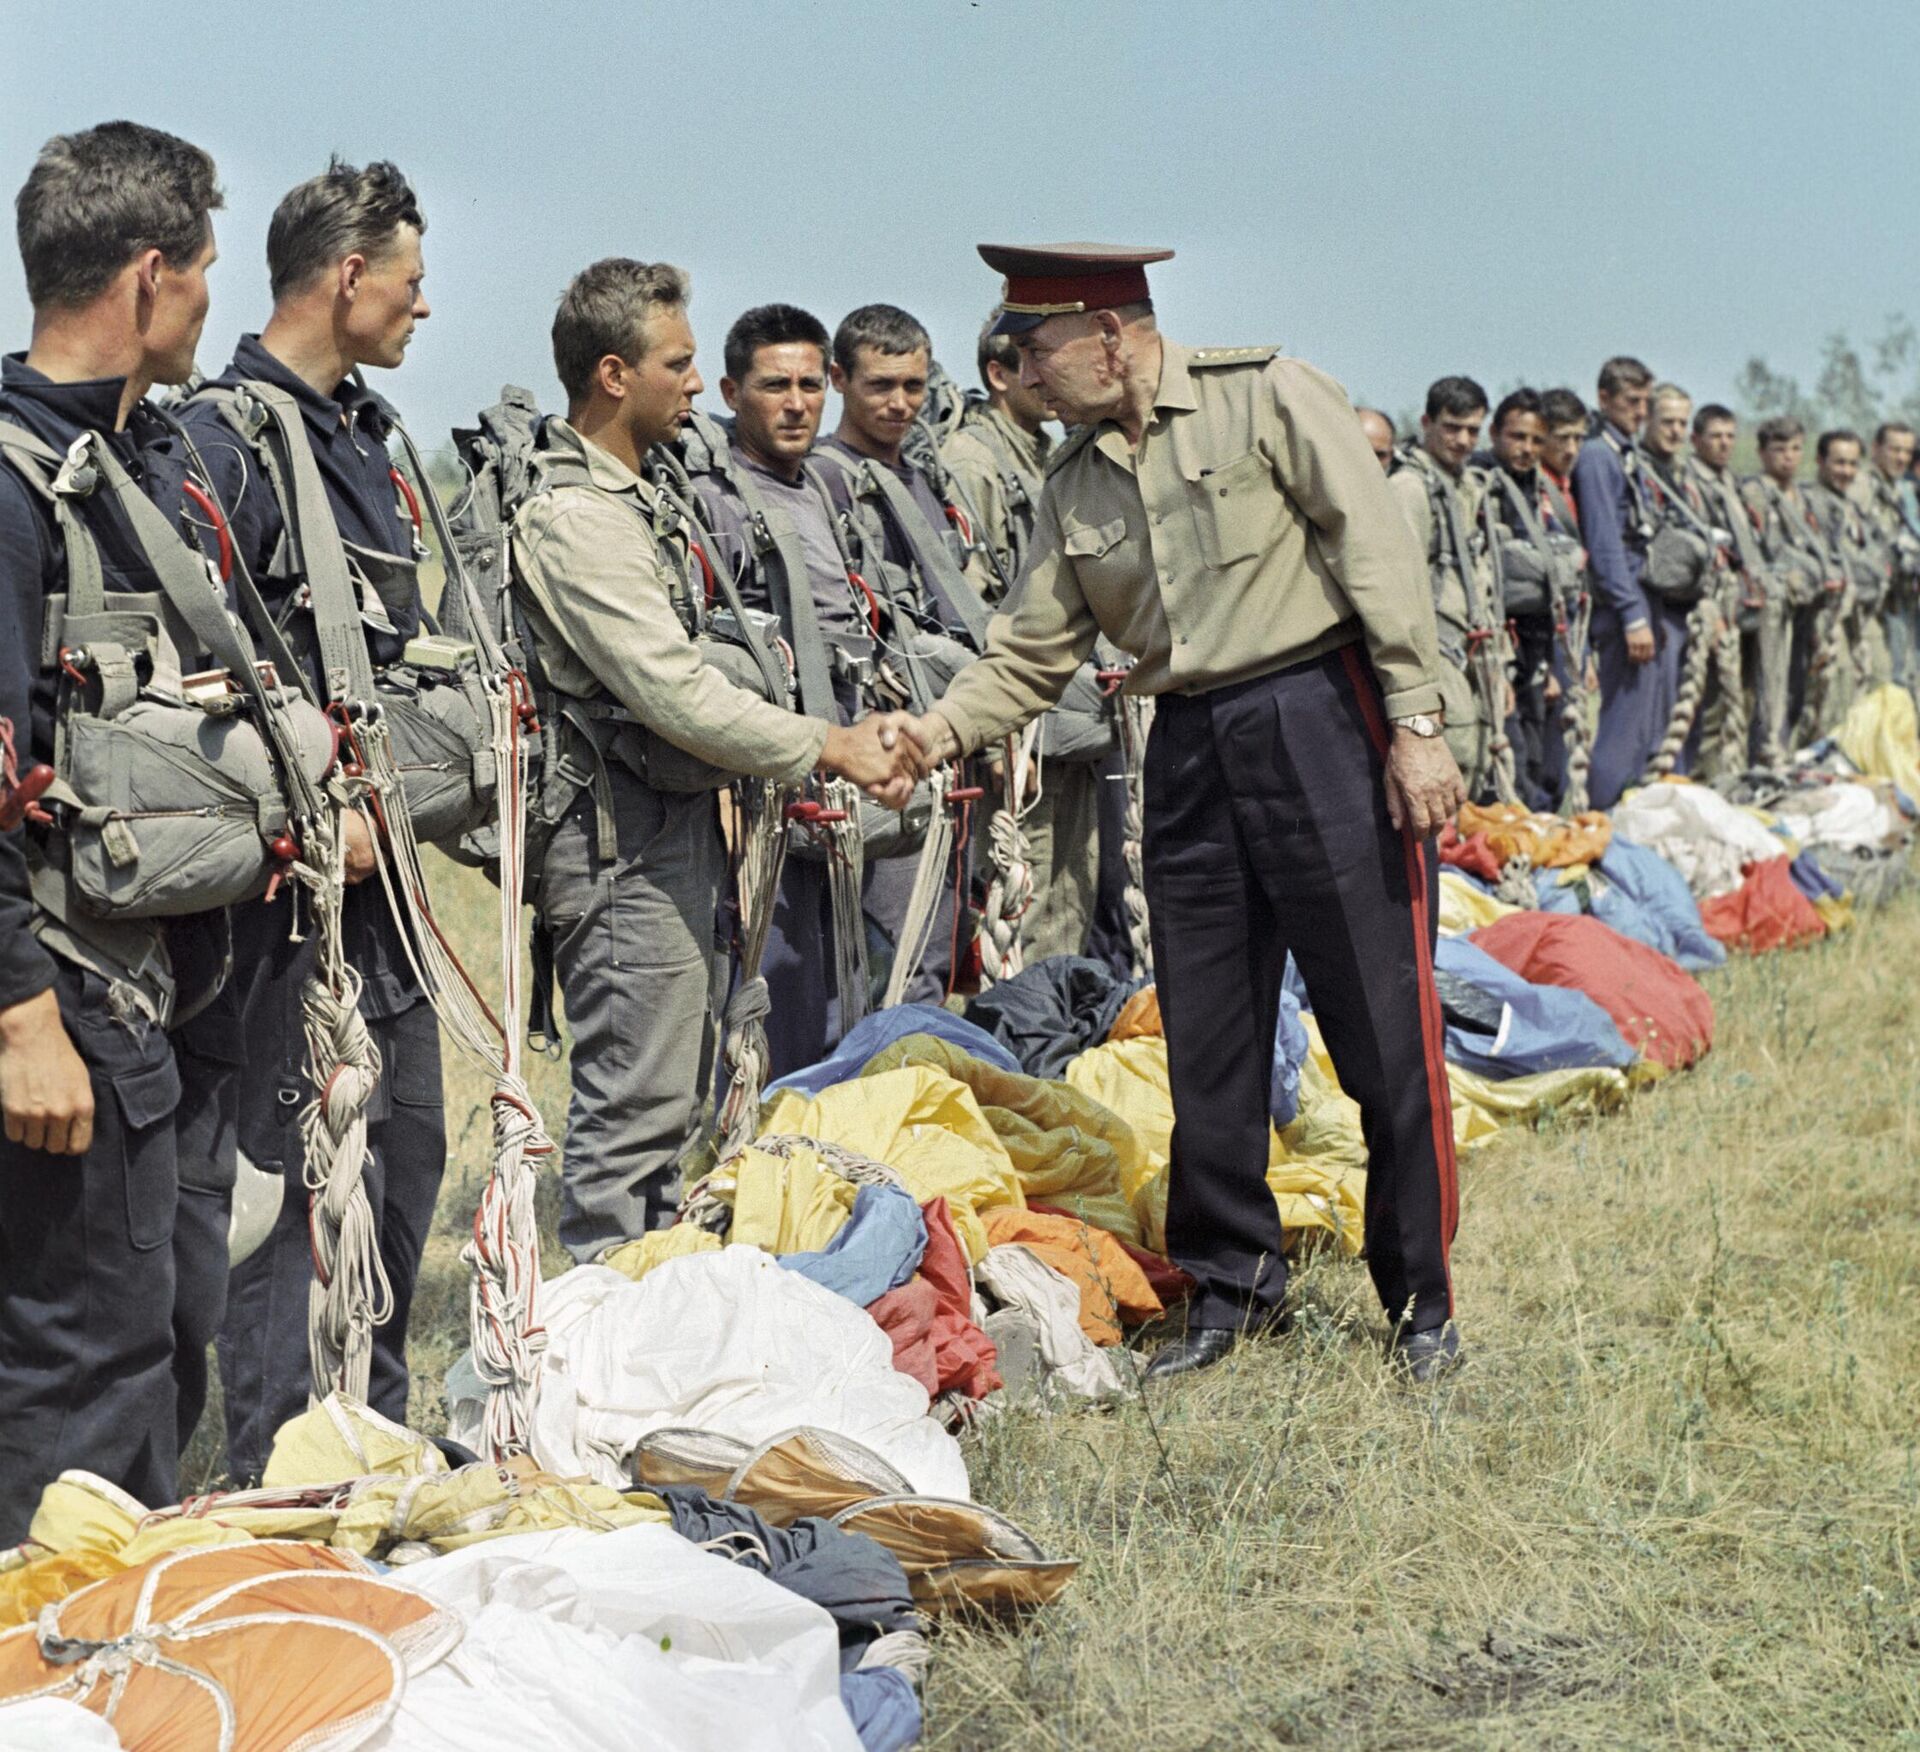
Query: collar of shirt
[[90, 405], [351, 405], [604, 469], [1174, 396]]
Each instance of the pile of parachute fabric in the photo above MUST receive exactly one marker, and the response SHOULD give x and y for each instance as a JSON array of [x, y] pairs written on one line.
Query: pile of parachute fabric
[[745, 1500]]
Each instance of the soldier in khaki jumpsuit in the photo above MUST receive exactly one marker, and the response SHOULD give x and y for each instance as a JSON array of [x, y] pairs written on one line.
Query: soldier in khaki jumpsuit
[[1220, 516], [630, 881]]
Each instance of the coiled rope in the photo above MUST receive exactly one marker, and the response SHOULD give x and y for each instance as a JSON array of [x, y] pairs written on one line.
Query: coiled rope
[[923, 900], [761, 824], [1136, 720], [1010, 892]]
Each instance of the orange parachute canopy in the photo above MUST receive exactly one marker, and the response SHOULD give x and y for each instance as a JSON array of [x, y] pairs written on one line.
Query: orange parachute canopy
[[234, 1648]]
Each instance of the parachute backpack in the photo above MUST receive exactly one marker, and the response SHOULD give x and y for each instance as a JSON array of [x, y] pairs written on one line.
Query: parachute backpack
[[172, 792]]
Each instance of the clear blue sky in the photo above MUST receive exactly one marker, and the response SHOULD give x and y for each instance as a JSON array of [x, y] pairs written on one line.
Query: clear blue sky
[[1393, 191]]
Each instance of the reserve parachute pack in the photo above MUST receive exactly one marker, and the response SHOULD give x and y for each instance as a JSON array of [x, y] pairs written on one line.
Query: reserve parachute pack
[[432, 700], [1538, 567], [582, 736], [1684, 549], [182, 767]]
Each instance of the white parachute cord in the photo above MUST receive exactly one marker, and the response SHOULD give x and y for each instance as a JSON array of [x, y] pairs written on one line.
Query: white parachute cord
[[929, 883], [846, 844], [1136, 720], [761, 824], [504, 1251], [349, 1294], [1010, 892]]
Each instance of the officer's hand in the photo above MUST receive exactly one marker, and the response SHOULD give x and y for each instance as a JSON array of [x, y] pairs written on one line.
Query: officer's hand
[[932, 735], [876, 757], [1424, 789], [362, 853], [1640, 644], [44, 1088]]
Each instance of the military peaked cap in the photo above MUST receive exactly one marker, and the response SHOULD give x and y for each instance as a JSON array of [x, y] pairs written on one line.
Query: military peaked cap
[[1054, 279]]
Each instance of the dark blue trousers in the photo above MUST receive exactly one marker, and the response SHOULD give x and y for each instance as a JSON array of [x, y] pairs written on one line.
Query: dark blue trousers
[[1636, 699], [1267, 831], [87, 1276], [803, 1025], [206, 1145], [264, 1371]]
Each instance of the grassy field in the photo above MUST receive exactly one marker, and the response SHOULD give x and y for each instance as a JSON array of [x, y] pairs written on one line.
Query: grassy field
[[1672, 1500]]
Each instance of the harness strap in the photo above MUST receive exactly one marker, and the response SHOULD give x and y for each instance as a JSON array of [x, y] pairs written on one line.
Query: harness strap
[[347, 670]]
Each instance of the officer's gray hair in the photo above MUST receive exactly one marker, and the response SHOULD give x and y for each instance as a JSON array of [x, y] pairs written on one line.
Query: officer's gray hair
[[604, 310], [886, 328], [1666, 392], [341, 212], [95, 200]]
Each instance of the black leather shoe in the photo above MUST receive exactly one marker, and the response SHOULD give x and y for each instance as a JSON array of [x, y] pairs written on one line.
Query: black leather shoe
[[1200, 1348], [1425, 1356]]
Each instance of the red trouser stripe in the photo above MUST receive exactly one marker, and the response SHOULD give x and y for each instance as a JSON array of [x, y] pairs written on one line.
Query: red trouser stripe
[[1433, 1031]]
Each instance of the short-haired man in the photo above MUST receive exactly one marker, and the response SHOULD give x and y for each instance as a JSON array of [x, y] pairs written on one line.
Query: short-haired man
[[997, 457], [102, 1108], [1866, 559], [881, 358], [751, 473], [345, 267], [1760, 603], [604, 577], [1443, 506], [1380, 435], [1636, 646], [1884, 493], [1794, 544], [1220, 516], [1536, 556]]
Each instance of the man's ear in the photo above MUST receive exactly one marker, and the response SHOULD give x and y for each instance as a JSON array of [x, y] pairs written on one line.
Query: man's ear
[[730, 394], [999, 378], [837, 377], [146, 282], [352, 270], [610, 376]]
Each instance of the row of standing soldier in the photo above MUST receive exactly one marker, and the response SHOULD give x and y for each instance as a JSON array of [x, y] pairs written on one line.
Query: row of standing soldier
[[1616, 605]]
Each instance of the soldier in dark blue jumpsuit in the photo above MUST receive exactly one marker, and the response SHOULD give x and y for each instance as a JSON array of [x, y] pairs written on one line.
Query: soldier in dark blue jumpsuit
[[263, 1344], [88, 1234]]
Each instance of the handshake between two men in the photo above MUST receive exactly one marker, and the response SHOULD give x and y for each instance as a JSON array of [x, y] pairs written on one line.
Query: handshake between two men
[[889, 753]]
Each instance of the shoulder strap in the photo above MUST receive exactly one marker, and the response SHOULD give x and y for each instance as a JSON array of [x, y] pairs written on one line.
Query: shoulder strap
[[679, 494], [930, 550], [346, 668], [39, 465], [789, 584]]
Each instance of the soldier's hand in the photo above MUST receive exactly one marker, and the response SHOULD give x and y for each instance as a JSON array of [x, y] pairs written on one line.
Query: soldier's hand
[[362, 854], [1424, 789], [45, 1092], [1640, 644], [932, 735], [876, 757]]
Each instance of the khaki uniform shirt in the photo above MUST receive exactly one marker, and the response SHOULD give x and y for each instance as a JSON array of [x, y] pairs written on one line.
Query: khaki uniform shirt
[[602, 566], [979, 456], [1251, 530]]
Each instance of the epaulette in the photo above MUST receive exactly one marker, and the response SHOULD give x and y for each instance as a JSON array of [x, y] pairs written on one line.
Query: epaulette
[[1071, 445], [1202, 357]]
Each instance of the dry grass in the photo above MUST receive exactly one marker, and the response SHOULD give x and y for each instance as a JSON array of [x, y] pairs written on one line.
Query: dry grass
[[1672, 1500]]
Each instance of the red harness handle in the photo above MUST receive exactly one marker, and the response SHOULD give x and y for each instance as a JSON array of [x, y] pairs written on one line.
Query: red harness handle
[[412, 498], [20, 793], [706, 568], [873, 602], [204, 502]]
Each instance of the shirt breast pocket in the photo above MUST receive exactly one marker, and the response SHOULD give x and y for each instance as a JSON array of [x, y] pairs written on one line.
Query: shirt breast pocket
[[1091, 541], [1233, 509]]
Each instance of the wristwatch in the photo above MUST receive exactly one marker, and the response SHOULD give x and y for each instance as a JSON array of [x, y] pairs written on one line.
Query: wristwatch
[[1422, 724]]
